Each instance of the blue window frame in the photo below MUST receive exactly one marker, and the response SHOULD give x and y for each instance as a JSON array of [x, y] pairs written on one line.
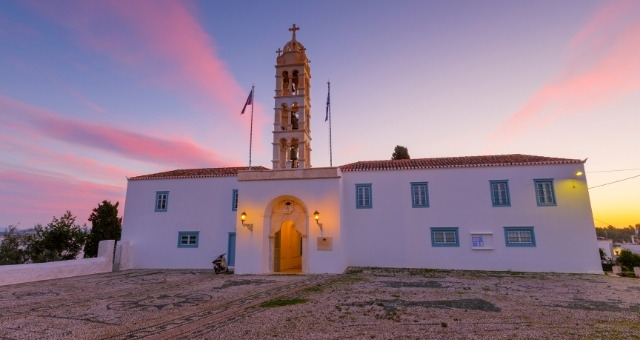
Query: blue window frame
[[500, 193], [545, 195], [234, 200], [231, 249], [519, 237], [162, 200], [419, 195], [444, 237], [188, 239], [364, 199]]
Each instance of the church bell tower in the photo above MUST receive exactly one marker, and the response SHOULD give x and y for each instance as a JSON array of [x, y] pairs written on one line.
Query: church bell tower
[[291, 124]]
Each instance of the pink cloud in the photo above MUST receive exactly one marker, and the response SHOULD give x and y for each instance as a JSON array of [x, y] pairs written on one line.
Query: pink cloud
[[159, 44], [603, 67], [35, 197], [160, 41], [84, 100], [35, 156], [602, 19], [41, 122]]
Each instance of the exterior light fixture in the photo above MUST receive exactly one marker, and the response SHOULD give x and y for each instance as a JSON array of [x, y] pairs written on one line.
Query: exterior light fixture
[[316, 216], [578, 173], [243, 217]]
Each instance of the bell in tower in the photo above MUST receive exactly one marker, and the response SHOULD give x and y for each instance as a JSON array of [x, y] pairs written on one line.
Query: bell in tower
[[291, 124]]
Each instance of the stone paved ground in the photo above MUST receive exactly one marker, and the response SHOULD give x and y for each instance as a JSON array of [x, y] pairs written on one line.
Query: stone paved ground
[[363, 303]]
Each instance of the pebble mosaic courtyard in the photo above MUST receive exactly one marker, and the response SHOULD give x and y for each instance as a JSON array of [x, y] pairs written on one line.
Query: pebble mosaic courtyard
[[363, 303]]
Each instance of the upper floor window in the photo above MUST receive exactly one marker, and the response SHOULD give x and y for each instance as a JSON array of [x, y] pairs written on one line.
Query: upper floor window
[[363, 196], [234, 200], [444, 237], [188, 239], [500, 193], [419, 195], [519, 237], [162, 200], [544, 192]]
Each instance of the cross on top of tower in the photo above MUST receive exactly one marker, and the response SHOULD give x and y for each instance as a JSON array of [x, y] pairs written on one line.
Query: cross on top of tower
[[279, 51], [293, 29]]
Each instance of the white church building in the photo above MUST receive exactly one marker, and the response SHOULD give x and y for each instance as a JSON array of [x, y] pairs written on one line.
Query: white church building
[[502, 212]]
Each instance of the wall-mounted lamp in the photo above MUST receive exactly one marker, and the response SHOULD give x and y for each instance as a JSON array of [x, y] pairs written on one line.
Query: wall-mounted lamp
[[577, 174], [316, 216], [243, 217]]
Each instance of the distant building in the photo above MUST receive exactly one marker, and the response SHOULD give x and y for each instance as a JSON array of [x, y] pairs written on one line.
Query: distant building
[[501, 212], [607, 246], [631, 247]]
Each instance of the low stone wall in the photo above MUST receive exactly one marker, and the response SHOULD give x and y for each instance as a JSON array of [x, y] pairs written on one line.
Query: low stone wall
[[19, 273], [122, 259]]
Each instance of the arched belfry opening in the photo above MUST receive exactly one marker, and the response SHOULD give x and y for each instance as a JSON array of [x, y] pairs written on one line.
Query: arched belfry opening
[[291, 127], [288, 230]]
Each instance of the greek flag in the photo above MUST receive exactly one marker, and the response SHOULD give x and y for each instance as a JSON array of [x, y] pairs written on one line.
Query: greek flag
[[248, 102], [328, 101]]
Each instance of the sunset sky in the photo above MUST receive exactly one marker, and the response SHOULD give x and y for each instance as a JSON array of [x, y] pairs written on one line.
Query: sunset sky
[[94, 91]]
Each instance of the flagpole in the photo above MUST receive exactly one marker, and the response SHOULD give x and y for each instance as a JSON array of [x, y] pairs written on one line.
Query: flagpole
[[251, 126], [329, 115]]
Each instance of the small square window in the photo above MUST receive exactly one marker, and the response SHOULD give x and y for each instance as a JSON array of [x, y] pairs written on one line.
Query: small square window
[[162, 200], [444, 237], [234, 200], [188, 239], [500, 193], [519, 237], [363, 196], [545, 195], [419, 195]]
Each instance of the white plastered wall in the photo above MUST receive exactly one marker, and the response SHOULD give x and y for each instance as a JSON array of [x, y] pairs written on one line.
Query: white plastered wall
[[393, 234], [194, 204], [257, 198]]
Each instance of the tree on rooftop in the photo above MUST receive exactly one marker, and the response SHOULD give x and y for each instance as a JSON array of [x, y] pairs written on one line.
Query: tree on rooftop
[[400, 152], [105, 225]]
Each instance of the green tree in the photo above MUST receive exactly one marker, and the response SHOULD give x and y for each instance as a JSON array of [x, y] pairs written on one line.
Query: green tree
[[12, 248], [59, 240], [628, 259], [603, 255], [400, 152], [105, 225], [618, 235]]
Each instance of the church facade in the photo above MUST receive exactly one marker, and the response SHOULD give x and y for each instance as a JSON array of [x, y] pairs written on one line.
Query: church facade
[[501, 212]]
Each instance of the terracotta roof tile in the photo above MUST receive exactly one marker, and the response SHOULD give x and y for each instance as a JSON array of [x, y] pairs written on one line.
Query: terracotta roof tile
[[198, 173], [401, 164], [456, 162]]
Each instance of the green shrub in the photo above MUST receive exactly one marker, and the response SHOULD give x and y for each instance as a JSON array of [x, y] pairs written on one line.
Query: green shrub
[[628, 259]]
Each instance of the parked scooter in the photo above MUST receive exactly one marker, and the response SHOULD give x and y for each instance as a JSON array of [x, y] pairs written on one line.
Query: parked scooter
[[220, 264]]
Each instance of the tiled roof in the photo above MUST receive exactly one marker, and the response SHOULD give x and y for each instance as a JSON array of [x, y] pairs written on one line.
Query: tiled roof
[[198, 173], [456, 162], [401, 164]]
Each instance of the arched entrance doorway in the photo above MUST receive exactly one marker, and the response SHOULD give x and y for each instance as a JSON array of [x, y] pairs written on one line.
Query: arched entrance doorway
[[287, 235], [287, 255]]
